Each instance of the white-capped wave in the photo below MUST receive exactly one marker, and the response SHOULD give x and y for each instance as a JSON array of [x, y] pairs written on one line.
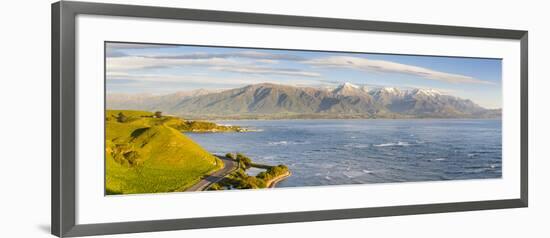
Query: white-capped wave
[[284, 142], [356, 145], [352, 173], [399, 143], [440, 159]]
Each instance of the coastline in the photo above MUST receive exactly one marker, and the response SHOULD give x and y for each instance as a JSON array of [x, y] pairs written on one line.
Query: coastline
[[354, 118], [272, 183]]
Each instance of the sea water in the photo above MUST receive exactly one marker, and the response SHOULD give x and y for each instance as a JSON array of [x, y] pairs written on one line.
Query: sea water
[[335, 152]]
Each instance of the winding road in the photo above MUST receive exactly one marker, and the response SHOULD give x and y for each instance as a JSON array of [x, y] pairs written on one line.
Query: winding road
[[229, 166]]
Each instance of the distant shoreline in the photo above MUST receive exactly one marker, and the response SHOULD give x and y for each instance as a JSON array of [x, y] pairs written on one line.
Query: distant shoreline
[[299, 119], [264, 117]]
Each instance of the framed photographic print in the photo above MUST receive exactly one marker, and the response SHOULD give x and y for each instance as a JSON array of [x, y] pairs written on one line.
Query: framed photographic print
[[167, 119]]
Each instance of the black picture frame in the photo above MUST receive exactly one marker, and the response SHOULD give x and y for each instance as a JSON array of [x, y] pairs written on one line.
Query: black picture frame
[[63, 136]]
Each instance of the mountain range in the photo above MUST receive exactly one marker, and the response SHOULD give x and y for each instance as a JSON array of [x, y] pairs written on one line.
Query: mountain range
[[274, 101]]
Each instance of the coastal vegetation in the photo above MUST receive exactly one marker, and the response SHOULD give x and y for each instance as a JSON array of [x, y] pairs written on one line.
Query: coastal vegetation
[[271, 175], [239, 179]]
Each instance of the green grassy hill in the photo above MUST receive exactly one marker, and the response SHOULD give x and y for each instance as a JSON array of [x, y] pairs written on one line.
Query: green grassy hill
[[145, 154]]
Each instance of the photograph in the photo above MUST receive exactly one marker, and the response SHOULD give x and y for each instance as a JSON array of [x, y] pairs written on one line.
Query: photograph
[[188, 118]]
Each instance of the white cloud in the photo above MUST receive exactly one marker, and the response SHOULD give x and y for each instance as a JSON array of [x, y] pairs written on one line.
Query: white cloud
[[128, 63], [136, 62], [136, 46], [267, 70], [251, 54], [267, 61], [117, 49], [199, 79], [392, 67]]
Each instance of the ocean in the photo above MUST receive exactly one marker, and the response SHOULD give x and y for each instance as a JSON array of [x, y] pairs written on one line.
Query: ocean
[[337, 152]]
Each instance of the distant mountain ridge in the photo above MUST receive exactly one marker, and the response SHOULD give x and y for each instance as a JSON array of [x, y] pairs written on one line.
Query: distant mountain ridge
[[153, 102], [268, 100]]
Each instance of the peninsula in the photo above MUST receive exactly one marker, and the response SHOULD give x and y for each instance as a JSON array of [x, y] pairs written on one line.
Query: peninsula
[[148, 152]]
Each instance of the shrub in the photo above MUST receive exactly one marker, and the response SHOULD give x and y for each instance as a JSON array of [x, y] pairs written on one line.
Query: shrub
[[230, 155], [121, 117], [216, 186], [158, 114], [272, 172], [244, 161], [132, 157]]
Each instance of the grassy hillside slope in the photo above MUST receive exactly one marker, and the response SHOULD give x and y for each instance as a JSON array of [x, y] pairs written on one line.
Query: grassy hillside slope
[[145, 154]]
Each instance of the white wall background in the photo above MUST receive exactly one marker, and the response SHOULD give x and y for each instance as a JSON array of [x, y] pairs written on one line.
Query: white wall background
[[25, 120]]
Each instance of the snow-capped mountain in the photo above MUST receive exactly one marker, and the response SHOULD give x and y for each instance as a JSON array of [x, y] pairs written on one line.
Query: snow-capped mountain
[[426, 92], [348, 89], [280, 101]]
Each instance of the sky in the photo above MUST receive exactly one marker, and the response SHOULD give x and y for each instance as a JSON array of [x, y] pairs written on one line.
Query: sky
[[163, 69]]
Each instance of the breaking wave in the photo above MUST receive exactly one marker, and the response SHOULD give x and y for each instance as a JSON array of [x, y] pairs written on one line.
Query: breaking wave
[[399, 143]]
